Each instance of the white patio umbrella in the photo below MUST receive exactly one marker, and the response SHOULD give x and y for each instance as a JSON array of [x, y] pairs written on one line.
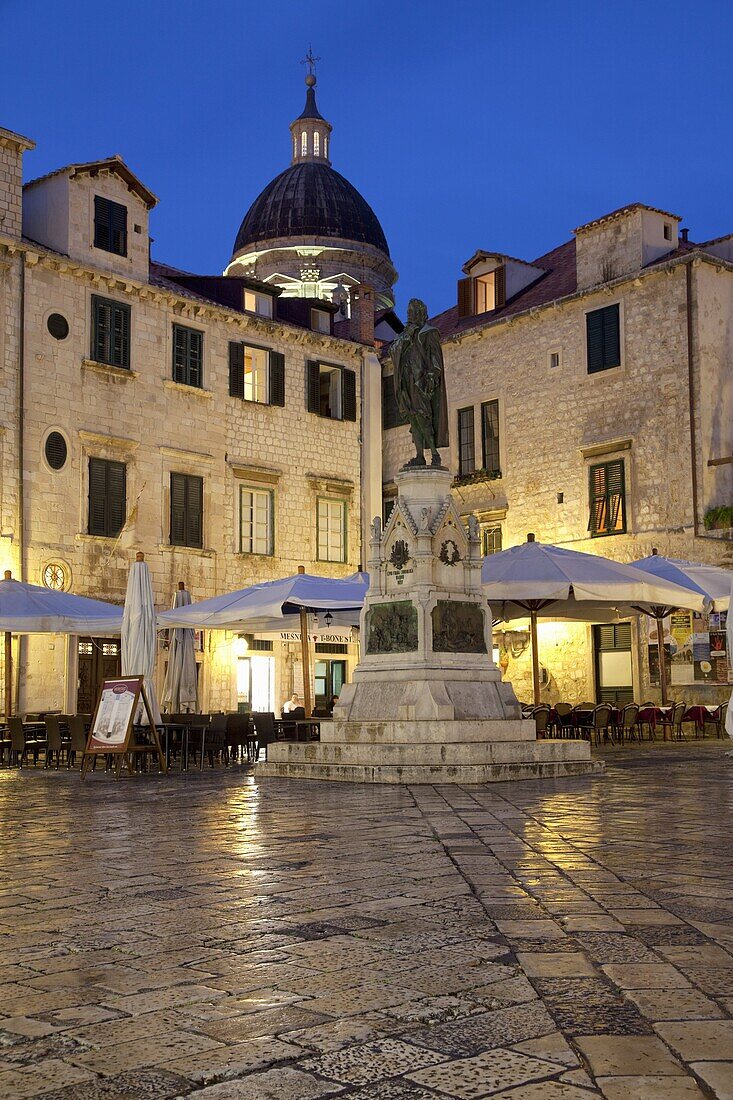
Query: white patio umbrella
[[31, 609], [534, 580], [139, 639], [179, 691], [265, 606], [710, 581]]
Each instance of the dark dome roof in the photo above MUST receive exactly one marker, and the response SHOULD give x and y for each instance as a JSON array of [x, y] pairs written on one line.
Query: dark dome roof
[[310, 200]]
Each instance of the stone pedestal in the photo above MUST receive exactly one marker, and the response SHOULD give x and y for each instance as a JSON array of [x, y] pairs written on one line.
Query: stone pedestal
[[427, 703]]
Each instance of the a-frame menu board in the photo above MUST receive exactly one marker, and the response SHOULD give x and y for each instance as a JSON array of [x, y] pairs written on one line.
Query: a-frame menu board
[[113, 731]]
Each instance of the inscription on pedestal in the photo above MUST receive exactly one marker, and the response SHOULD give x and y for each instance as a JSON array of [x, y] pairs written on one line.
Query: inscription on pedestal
[[392, 627], [458, 627]]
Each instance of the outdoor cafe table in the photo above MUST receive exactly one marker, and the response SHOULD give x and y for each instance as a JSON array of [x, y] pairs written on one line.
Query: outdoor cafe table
[[306, 729]]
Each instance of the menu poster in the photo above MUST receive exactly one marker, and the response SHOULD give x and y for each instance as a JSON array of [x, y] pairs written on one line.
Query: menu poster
[[113, 717]]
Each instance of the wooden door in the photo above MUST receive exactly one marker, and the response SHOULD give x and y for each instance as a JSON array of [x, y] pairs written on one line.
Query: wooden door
[[99, 660]]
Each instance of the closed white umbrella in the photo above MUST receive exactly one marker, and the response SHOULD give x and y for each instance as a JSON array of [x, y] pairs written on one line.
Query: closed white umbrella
[[139, 639], [179, 691], [534, 580]]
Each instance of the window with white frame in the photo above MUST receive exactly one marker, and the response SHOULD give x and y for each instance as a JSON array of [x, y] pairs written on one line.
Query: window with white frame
[[255, 520], [325, 145], [316, 144], [256, 371], [258, 303], [331, 529], [485, 293], [303, 143]]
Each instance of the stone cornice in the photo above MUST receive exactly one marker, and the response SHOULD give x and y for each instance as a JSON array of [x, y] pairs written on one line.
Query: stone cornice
[[96, 439]]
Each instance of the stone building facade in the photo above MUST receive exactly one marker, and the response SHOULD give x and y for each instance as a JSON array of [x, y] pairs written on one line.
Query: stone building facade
[[145, 409], [609, 356]]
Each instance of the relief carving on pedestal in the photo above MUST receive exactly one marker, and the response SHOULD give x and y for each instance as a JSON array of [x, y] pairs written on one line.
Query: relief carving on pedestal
[[392, 627], [458, 627]]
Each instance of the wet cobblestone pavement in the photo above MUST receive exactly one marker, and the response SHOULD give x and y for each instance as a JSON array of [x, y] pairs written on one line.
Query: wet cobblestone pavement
[[204, 936]]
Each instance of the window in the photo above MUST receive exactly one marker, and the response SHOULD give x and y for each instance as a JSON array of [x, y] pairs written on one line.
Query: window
[[55, 450], [321, 321], [466, 446], [491, 540], [188, 355], [58, 326], [110, 332], [325, 145], [388, 504], [490, 436], [107, 497], [187, 510], [331, 530], [316, 144], [555, 360], [110, 226], [603, 339], [391, 417], [254, 302], [607, 499], [303, 143], [331, 391], [255, 521], [667, 231], [256, 374]]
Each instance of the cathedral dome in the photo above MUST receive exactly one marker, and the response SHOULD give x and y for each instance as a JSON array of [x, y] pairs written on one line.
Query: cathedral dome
[[309, 200]]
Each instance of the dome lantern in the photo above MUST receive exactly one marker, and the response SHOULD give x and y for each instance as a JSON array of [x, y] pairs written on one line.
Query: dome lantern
[[310, 132]]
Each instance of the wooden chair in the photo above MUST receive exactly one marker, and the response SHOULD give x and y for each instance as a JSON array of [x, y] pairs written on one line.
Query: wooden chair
[[54, 744], [601, 723], [717, 718], [563, 724], [18, 749], [626, 726], [77, 738], [541, 717], [264, 727], [673, 721]]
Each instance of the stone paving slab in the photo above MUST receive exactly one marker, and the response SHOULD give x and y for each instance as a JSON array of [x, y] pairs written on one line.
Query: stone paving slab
[[210, 936]]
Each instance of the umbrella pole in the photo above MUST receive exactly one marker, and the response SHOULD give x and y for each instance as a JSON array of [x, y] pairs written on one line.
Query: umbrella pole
[[8, 674], [305, 651], [535, 657], [662, 660]]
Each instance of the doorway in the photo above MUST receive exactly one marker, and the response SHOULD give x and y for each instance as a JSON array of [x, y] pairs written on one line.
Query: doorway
[[612, 650], [255, 683], [99, 660], [330, 677]]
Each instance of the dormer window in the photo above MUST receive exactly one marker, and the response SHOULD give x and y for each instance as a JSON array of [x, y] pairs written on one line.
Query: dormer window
[[110, 226], [316, 144], [485, 293], [258, 303], [304, 143], [482, 293]]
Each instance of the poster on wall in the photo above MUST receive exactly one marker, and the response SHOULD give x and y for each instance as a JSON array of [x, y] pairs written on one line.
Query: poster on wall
[[696, 649]]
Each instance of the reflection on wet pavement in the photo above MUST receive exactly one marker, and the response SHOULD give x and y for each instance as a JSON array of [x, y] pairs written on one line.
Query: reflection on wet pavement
[[201, 935]]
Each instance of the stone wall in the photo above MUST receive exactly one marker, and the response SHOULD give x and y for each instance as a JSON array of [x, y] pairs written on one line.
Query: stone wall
[[11, 182]]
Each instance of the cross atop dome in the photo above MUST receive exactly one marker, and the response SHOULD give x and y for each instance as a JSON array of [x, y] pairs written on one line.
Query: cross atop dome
[[310, 131]]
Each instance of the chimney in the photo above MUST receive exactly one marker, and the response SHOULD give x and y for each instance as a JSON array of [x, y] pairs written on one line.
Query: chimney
[[684, 233], [362, 314]]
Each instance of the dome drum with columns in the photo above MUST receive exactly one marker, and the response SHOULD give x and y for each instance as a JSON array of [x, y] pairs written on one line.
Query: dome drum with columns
[[310, 232]]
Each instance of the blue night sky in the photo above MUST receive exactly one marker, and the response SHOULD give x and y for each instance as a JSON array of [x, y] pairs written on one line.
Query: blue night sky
[[465, 125]]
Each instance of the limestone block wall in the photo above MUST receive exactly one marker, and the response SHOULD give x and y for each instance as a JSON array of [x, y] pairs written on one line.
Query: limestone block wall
[[609, 250], [11, 182]]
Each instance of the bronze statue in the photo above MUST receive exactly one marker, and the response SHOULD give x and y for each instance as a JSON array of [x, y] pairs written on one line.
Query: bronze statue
[[419, 381]]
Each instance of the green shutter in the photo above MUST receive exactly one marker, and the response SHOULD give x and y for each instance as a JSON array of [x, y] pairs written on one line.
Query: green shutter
[[116, 497], [107, 497], [611, 337], [178, 509], [389, 403], [594, 337], [194, 511], [348, 394], [97, 497], [607, 496], [277, 378], [236, 370], [101, 329], [603, 334], [313, 375]]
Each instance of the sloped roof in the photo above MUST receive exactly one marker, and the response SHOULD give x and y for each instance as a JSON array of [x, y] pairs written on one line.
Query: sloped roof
[[618, 213], [109, 164]]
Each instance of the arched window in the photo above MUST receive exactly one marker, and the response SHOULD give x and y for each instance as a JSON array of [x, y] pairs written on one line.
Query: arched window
[[316, 144], [325, 146], [295, 145], [303, 143]]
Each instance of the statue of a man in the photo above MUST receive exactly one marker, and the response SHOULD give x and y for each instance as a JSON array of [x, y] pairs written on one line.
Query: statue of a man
[[419, 381]]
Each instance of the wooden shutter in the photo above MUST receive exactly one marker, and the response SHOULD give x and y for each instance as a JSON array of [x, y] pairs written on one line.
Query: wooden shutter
[[611, 337], [348, 394], [499, 287], [116, 497], [180, 353], [102, 237], [101, 329], [466, 307], [194, 511], [120, 349], [97, 496], [277, 378], [313, 374], [178, 509], [236, 370], [389, 403], [615, 491], [607, 499], [118, 228], [594, 340]]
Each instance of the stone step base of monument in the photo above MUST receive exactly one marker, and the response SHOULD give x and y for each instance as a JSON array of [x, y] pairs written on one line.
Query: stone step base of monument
[[429, 731], [485, 762]]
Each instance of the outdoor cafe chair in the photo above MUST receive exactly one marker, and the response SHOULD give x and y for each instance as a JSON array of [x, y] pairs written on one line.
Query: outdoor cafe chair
[[626, 725], [6, 744], [672, 721], [563, 722], [717, 719], [601, 723], [54, 743], [264, 727], [541, 715], [77, 738]]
